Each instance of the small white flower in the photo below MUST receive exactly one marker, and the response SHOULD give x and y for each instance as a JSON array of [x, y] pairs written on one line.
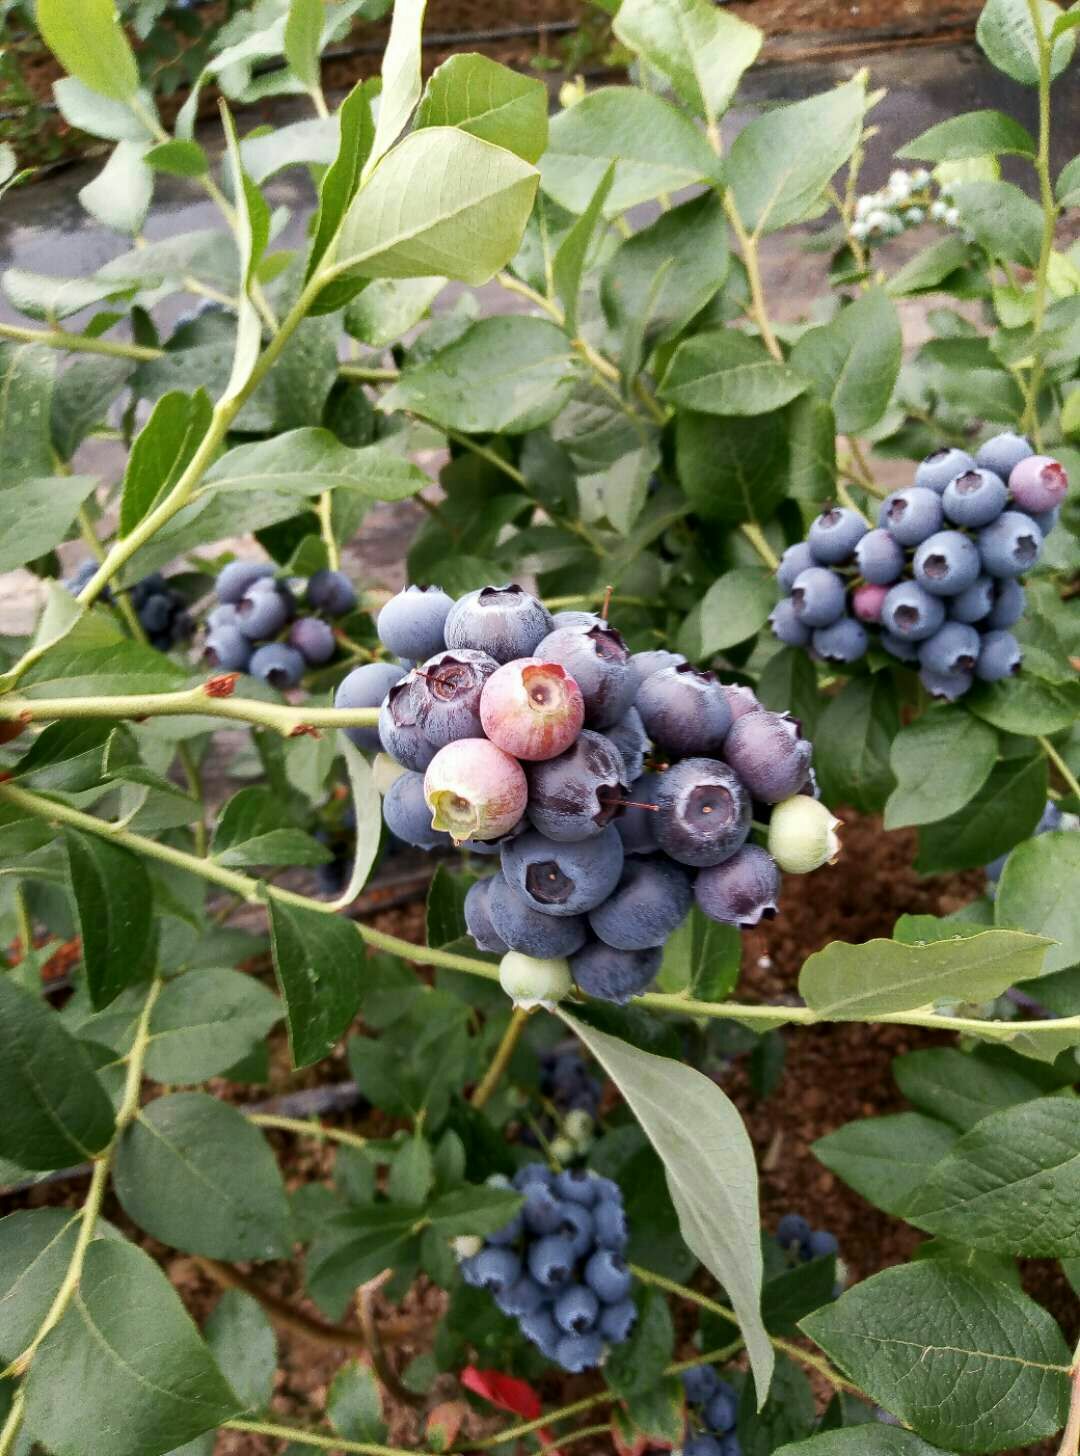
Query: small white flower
[[878, 221], [914, 216], [952, 217], [864, 204], [938, 210], [920, 178], [859, 230], [899, 185], [466, 1246]]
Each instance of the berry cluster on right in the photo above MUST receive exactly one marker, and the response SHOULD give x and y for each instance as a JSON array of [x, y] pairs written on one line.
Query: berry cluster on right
[[558, 1268], [936, 583], [713, 1408]]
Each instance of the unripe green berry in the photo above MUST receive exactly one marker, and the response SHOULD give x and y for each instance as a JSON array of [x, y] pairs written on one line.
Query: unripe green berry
[[465, 1246], [577, 1124], [562, 1150], [802, 835], [530, 982]]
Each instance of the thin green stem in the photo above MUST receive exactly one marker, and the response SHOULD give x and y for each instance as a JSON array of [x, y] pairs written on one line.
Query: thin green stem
[[308, 1129], [12, 1426], [501, 1060], [602, 1428], [749, 249], [290, 722], [844, 496], [1049, 211], [515, 285], [325, 510], [756, 537], [863, 474], [194, 780], [365, 375], [324, 1442], [78, 343], [1071, 781]]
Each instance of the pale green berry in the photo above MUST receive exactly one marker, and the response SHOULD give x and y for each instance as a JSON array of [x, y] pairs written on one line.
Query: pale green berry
[[465, 1246], [530, 982], [802, 835], [577, 1125], [562, 1150]]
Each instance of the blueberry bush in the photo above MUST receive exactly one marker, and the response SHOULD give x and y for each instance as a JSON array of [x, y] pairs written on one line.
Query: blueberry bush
[[664, 616]]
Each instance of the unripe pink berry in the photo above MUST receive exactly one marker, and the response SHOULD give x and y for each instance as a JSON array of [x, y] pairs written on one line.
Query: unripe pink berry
[[532, 709], [474, 790], [1038, 484], [867, 600]]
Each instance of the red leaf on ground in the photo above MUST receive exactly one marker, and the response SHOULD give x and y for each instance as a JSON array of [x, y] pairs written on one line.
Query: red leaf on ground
[[508, 1394]]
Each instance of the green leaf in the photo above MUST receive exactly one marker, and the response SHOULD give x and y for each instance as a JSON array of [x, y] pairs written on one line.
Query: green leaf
[[193, 1172], [1004, 811], [400, 77], [45, 296], [243, 1343], [928, 270], [36, 1246], [732, 469], [161, 452], [342, 177], [780, 164], [489, 101], [469, 228], [853, 362], [709, 1166], [75, 669], [309, 461], [389, 307], [115, 907], [568, 263], [1003, 219], [319, 960], [731, 611], [702, 958], [178, 159], [120, 195], [962, 1359], [1007, 35], [972, 134], [411, 1173], [789, 1412], [961, 1087], [1027, 705], [81, 399], [639, 1363], [367, 813], [1010, 1184], [90, 111], [655, 149], [862, 1440], [1067, 186], [354, 1404], [788, 684], [858, 982], [256, 829], [504, 375], [303, 34], [473, 1210], [87, 41], [797, 1291], [26, 384], [885, 1158], [701, 50], [941, 761], [724, 372], [250, 227], [66, 756], [206, 1021], [852, 744], [99, 1386], [1039, 891], [38, 514]]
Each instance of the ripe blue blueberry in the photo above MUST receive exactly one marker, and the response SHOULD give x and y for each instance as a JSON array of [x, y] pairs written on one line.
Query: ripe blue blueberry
[[577, 794], [576, 1353], [742, 891], [822, 1245], [770, 756], [280, 666], [974, 602], [636, 825], [705, 809], [551, 1261], [650, 901], [576, 619], [999, 657], [522, 1298], [844, 640], [614, 975], [446, 695], [542, 1211], [947, 563], [407, 814], [786, 626], [261, 612], [974, 498], [1003, 453], [541, 1329], [702, 1444], [834, 535], [411, 624], [1010, 545], [494, 1269], [940, 467], [366, 687], [333, 593], [1046, 520], [533, 1173], [577, 1185], [224, 615], [630, 738], [792, 1231], [227, 648], [576, 1309], [910, 612], [608, 1275], [817, 596], [313, 639], [722, 1412], [879, 557], [911, 515], [503, 621], [399, 731], [946, 687], [561, 878], [155, 613], [684, 711], [793, 563], [610, 1225], [741, 700], [510, 1233], [953, 648], [477, 920], [1009, 602], [233, 580], [900, 647], [617, 1321], [598, 660], [700, 1382], [644, 664], [529, 931]]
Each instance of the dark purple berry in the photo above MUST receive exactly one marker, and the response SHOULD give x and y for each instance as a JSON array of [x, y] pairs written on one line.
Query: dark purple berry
[[577, 794], [770, 755], [446, 695], [366, 687], [742, 891], [705, 809], [503, 621], [650, 901], [614, 975], [599, 662], [684, 711], [333, 593], [313, 639], [560, 878]]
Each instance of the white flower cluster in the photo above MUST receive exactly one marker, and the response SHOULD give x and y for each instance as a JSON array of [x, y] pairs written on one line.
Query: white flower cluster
[[906, 200]]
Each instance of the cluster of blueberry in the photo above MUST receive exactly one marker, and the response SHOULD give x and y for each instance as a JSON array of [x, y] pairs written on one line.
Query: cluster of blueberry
[[907, 200], [557, 1267], [802, 1243], [162, 610], [257, 607], [527, 736], [937, 577], [573, 1094], [714, 1409]]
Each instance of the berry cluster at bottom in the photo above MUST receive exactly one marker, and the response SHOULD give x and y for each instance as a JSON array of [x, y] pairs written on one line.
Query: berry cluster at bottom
[[936, 582], [557, 1267], [714, 1407], [256, 627]]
